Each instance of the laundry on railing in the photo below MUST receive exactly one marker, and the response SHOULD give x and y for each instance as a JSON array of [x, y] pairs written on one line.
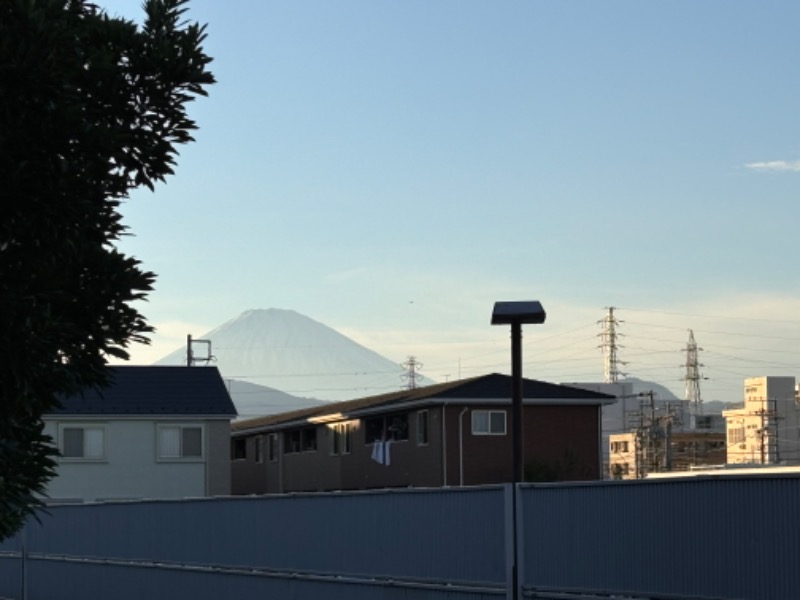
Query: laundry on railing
[[381, 453]]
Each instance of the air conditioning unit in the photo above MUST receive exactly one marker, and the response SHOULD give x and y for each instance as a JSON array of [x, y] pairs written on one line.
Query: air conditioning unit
[[743, 446]]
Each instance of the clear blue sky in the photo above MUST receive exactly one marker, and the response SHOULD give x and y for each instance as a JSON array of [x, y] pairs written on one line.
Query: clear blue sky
[[391, 168]]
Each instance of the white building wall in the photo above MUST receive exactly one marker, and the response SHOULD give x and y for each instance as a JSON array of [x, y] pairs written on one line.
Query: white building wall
[[129, 468], [766, 430]]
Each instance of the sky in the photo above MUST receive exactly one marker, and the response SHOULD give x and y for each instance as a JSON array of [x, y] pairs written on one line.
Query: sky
[[392, 168]]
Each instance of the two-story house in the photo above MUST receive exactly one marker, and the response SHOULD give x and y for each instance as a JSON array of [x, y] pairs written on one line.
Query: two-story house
[[154, 432]]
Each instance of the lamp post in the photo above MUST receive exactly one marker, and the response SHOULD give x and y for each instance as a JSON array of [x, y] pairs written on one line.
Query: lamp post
[[516, 314]]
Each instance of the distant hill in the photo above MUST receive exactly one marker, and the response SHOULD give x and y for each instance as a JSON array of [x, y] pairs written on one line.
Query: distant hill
[[253, 400], [290, 352]]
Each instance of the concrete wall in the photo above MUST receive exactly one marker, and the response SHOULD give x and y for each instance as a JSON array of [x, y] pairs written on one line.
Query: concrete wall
[[130, 468]]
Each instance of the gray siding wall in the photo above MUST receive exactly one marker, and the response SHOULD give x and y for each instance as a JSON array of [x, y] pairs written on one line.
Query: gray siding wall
[[129, 470]]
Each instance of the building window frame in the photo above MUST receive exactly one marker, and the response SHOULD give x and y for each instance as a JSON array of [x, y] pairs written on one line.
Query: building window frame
[[300, 440], [272, 447], [423, 429], [239, 448], [486, 422], [176, 442], [258, 450], [341, 438], [391, 427], [92, 442]]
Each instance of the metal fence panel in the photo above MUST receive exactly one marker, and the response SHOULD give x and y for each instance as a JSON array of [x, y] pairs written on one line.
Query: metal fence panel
[[58, 580], [721, 537], [454, 535], [732, 538], [10, 576]]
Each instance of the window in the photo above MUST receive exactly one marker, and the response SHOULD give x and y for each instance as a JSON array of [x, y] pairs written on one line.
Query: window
[[488, 422], [422, 428], [239, 449], [389, 427], [272, 447], [300, 440], [180, 441], [736, 436], [259, 449], [341, 438], [87, 443]]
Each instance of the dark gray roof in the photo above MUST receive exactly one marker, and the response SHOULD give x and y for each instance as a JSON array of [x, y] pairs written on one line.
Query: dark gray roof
[[490, 387], [155, 391]]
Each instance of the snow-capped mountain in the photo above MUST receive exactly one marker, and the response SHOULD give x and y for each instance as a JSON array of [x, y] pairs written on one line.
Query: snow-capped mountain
[[292, 353]]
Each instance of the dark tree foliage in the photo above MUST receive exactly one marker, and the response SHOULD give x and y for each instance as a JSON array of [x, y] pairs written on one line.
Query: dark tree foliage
[[91, 107]]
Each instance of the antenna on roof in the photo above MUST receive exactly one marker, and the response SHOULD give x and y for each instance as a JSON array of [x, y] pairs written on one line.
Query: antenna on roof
[[191, 359]]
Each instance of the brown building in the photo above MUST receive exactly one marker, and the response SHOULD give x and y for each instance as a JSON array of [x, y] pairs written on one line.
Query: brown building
[[455, 433]]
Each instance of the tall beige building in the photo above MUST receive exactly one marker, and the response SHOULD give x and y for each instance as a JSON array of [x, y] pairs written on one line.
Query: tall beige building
[[766, 429]]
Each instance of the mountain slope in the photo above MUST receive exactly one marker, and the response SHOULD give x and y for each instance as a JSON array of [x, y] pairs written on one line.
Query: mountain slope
[[290, 352], [253, 400]]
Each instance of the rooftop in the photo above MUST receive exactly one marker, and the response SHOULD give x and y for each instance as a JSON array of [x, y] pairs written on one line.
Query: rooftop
[[493, 387], [154, 390]]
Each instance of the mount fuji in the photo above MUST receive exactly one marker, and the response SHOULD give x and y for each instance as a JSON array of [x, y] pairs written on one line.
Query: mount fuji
[[278, 360]]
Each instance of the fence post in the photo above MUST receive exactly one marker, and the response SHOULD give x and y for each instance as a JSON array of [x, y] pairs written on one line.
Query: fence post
[[520, 525], [509, 537]]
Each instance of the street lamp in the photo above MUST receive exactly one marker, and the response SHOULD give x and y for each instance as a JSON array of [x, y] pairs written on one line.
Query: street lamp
[[516, 314]]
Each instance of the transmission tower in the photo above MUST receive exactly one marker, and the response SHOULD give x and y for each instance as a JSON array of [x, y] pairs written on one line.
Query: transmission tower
[[411, 366], [692, 379], [609, 345]]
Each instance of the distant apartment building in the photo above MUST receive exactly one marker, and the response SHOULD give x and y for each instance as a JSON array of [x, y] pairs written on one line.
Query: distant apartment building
[[447, 434], [635, 455], [637, 401], [765, 429], [622, 456]]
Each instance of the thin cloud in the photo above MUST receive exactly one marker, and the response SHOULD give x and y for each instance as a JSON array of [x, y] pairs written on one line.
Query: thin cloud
[[775, 165]]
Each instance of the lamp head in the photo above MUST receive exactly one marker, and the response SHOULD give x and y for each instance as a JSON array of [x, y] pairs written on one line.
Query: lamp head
[[525, 312]]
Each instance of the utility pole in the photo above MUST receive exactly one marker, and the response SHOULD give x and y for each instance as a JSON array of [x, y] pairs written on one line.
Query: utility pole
[[609, 346], [191, 359], [768, 433], [653, 437], [776, 427], [763, 434]]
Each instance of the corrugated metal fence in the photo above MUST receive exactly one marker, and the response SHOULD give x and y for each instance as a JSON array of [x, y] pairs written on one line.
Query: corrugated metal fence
[[693, 538], [724, 536]]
